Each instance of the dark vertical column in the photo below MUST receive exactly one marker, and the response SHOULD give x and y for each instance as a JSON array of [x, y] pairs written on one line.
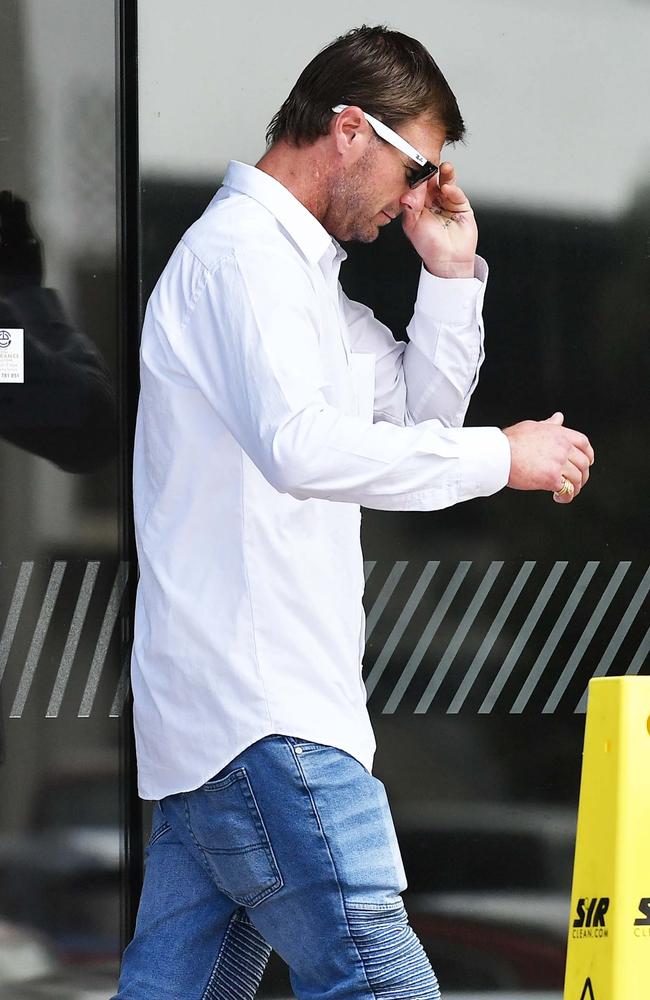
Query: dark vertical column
[[130, 321]]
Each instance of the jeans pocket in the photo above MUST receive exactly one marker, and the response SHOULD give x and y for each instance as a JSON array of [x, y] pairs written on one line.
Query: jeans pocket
[[226, 824]]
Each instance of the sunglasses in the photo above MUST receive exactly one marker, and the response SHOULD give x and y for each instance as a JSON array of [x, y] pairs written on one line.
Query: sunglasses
[[425, 168]]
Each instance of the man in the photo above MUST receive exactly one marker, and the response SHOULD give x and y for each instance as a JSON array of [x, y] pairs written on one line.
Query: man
[[272, 407]]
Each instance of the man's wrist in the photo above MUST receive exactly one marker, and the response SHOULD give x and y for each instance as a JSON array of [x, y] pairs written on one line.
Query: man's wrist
[[450, 269]]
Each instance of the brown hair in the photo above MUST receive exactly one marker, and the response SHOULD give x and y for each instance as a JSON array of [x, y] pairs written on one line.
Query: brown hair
[[386, 73]]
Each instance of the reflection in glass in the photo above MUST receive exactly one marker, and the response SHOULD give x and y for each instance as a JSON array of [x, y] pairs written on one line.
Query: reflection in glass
[[65, 409], [61, 577]]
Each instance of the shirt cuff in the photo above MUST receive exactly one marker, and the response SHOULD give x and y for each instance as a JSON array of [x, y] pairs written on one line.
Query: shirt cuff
[[452, 300], [484, 462]]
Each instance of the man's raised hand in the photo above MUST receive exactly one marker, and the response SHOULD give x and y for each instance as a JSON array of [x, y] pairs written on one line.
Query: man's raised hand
[[438, 220]]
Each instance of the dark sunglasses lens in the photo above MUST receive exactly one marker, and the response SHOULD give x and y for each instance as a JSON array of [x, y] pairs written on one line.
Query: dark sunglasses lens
[[423, 174]]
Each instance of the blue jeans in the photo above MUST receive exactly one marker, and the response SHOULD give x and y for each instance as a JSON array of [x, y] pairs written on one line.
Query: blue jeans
[[292, 847]]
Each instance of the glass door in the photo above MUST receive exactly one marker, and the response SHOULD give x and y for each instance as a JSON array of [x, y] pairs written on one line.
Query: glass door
[[65, 562], [484, 622]]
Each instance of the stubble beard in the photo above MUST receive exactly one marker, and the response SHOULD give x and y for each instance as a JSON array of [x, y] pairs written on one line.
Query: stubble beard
[[354, 220]]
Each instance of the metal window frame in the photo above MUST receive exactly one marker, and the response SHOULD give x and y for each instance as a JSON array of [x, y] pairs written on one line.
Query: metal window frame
[[130, 314]]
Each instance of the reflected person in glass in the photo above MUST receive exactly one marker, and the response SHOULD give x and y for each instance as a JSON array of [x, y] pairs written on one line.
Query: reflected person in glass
[[63, 407], [272, 408]]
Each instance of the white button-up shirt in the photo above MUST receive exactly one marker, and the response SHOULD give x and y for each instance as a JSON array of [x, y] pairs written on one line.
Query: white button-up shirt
[[271, 408]]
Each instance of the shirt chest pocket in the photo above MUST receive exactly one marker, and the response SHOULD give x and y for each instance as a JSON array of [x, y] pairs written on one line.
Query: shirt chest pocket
[[362, 384]]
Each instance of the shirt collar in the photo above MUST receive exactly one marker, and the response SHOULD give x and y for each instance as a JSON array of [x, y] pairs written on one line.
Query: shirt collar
[[303, 227]]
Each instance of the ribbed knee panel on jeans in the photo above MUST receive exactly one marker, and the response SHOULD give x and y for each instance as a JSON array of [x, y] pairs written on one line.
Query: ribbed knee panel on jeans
[[395, 962], [241, 962]]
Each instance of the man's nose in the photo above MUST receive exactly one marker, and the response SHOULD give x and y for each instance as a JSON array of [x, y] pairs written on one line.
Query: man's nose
[[414, 198]]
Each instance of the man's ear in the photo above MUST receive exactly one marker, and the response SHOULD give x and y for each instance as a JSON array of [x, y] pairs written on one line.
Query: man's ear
[[351, 133]]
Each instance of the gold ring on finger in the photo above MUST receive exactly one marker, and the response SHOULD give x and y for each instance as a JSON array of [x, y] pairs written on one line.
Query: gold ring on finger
[[567, 488]]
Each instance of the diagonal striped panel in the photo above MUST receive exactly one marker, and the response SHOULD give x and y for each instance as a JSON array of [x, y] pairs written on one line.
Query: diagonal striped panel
[[72, 641], [38, 639], [522, 638], [640, 656], [494, 625], [425, 639], [51, 640], [384, 597], [588, 633], [622, 629], [401, 625], [122, 690], [13, 615], [459, 637], [556, 614], [556, 633], [106, 631], [492, 635]]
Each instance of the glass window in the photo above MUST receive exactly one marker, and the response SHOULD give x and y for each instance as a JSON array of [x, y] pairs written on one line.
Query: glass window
[[486, 621], [63, 574]]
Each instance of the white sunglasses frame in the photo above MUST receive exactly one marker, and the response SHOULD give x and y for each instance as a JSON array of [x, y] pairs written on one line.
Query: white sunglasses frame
[[391, 137]]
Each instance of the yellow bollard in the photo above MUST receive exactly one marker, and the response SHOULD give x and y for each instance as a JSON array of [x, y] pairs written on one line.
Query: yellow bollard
[[609, 932]]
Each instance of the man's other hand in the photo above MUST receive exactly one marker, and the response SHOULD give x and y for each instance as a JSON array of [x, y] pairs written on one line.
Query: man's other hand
[[438, 220], [546, 455]]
